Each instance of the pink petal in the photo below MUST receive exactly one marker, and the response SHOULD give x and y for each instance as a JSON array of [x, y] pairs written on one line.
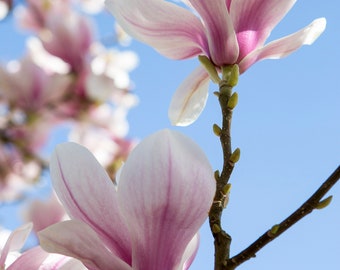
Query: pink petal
[[172, 30], [286, 45], [223, 47], [29, 260], [15, 241], [190, 252], [190, 98], [254, 20], [76, 239], [88, 194], [166, 189]]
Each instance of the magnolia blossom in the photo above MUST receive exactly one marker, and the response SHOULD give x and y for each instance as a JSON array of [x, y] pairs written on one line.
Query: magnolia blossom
[[149, 220], [16, 173], [226, 31], [45, 213]]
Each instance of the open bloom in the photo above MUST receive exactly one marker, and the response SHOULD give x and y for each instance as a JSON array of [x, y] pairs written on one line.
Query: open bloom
[[149, 220], [226, 31]]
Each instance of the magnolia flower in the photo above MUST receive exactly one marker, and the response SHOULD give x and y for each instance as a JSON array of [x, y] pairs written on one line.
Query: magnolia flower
[[75, 31], [45, 213], [226, 31], [29, 87], [148, 221]]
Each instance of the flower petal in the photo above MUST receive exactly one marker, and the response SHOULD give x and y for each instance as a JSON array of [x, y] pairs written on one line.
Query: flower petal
[[166, 189], [76, 239], [172, 30], [29, 260], [254, 20], [190, 252], [15, 241], [223, 47], [190, 98], [88, 194], [284, 46]]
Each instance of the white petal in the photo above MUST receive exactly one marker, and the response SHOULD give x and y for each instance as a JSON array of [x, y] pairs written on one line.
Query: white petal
[[190, 98]]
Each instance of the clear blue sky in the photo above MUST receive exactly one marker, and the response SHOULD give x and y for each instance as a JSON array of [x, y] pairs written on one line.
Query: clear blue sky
[[287, 126]]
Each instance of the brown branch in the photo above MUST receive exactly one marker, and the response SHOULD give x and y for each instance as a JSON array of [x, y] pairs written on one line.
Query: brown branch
[[314, 202], [222, 240]]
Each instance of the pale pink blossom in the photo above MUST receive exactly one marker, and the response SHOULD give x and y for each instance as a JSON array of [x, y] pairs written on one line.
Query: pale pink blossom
[[69, 38], [108, 148], [16, 173], [35, 13], [29, 87], [109, 75], [43, 213], [149, 220], [226, 31]]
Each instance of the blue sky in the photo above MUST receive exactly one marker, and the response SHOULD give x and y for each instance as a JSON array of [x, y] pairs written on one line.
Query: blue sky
[[286, 125]]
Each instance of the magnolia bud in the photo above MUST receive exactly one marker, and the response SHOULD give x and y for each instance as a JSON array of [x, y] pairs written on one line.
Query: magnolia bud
[[232, 102], [324, 203], [217, 130], [235, 156]]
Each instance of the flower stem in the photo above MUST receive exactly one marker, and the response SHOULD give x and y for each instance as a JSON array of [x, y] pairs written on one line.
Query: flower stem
[[222, 239]]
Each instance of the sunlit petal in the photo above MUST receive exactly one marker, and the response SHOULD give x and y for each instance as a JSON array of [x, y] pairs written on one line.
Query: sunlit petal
[[190, 252], [286, 45], [254, 20], [76, 239], [190, 98], [223, 47], [166, 195], [88, 194], [15, 241], [172, 30]]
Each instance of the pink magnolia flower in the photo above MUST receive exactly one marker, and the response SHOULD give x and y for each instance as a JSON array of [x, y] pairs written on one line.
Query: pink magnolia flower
[[148, 221], [226, 31]]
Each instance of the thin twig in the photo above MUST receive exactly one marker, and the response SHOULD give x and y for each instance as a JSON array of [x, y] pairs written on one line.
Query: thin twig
[[312, 203]]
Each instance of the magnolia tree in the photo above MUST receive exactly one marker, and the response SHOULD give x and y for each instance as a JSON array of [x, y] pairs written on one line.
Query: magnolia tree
[[118, 203]]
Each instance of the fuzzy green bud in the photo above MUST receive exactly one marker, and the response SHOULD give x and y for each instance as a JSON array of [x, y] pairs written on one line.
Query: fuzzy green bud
[[216, 228], [217, 130], [210, 68], [324, 203], [274, 229], [235, 156], [217, 175], [226, 189], [233, 100]]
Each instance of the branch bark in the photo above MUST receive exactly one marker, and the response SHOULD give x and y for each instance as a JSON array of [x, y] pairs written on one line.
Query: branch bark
[[314, 202]]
